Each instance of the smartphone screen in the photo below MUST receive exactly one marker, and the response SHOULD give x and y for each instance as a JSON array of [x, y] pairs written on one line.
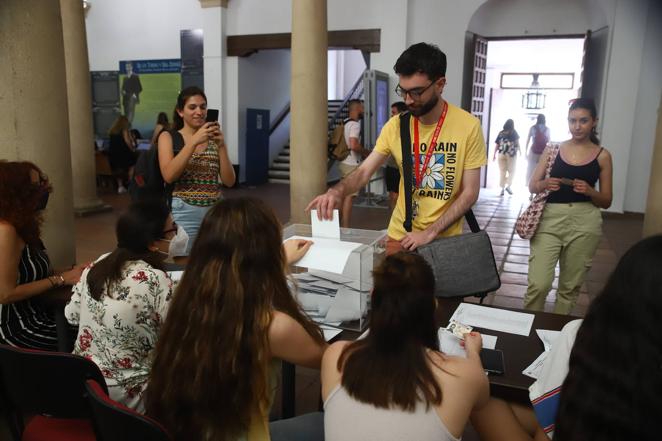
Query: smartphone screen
[[212, 115], [492, 360]]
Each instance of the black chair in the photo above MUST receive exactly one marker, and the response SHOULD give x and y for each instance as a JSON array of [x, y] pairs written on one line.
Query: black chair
[[49, 389], [115, 422]]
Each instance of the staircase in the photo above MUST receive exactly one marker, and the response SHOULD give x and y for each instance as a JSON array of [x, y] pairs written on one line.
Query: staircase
[[279, 171]]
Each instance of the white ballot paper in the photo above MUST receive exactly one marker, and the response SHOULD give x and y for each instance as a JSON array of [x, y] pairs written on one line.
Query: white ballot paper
[[547, 337], [450, 344], [345, 306], [326, 254], [325, 228], [494, 318], [330, 332], [535, 368]]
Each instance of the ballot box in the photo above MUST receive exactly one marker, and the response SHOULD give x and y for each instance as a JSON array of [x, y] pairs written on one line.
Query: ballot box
[[333, 281]]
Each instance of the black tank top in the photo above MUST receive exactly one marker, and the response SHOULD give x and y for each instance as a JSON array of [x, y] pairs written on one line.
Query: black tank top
[[560, 169]]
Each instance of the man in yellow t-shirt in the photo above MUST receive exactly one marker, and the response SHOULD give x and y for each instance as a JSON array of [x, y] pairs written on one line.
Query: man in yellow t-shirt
[[449, 177]]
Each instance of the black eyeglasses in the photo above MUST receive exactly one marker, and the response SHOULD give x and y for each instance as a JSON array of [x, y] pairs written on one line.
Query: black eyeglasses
[[414, 93]]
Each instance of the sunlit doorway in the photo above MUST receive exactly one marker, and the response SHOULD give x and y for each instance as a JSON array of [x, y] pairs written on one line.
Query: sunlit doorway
[[549, 70]]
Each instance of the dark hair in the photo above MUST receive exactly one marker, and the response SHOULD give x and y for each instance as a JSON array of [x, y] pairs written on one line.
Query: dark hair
[[390, 366], [541, 119], [162, 119], [588, 104], [19, 198], [183, 96], [211, 363], [509, 125], [615, 371], [136, 229], [422, 58], [121, 124], [400, 105]]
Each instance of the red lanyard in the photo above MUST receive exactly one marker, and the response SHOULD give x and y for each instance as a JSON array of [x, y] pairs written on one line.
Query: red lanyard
[[431, 146]]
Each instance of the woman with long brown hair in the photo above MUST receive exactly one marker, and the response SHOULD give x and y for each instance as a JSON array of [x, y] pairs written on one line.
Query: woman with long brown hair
[[395, 384], [194, 161], [25, 269], [231, 320], [122, 152]]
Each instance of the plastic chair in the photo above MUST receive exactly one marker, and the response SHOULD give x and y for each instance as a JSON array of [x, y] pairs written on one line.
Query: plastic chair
[[114, 422], [45, 394]]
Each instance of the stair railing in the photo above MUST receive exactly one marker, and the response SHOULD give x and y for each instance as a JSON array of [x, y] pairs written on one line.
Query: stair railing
[[354, 93]]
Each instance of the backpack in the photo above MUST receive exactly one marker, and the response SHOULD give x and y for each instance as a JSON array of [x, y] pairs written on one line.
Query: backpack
[[539, 141], [147, 180], [338, 148]]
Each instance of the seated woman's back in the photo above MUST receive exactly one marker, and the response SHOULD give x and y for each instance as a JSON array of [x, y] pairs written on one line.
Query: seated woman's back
[[121, 301], [395, 384]]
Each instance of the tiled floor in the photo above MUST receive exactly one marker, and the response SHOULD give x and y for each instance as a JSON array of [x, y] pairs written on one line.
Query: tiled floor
[[95, 235]]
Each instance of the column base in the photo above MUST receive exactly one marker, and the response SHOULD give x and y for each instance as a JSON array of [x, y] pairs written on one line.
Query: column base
[[95, 207]]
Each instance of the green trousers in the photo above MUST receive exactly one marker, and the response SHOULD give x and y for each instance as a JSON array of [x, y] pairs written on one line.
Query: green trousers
[[568, 234]]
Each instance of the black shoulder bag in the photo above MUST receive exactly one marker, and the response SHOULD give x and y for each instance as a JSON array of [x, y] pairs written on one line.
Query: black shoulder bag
[[463, 265]]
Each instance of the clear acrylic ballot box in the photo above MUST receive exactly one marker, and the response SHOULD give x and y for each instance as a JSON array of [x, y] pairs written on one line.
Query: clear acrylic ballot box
[[333, 281]]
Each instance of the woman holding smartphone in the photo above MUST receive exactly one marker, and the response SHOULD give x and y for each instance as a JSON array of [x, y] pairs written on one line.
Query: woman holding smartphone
[[571, 224], [193, 158]]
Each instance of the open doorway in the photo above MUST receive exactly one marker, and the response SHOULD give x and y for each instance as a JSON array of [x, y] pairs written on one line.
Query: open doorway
[[549, 71]]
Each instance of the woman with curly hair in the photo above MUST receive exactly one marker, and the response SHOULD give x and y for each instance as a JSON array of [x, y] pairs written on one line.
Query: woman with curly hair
[[610, 366], [231, 320], [25, 270]]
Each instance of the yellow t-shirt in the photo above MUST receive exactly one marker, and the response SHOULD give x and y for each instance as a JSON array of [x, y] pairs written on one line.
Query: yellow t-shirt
[[460, 147]]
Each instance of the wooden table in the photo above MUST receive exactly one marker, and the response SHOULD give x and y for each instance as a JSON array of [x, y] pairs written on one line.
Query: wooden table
[[518, 353]]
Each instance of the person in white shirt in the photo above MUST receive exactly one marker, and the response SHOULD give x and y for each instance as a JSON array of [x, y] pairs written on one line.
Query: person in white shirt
[[356, 153]]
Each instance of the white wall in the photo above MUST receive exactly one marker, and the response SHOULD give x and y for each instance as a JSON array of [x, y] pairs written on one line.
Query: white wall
[[264, 83], [444, 23]]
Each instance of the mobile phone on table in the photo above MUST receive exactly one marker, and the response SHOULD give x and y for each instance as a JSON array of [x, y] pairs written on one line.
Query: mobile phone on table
[[492, 360], [212, 115]]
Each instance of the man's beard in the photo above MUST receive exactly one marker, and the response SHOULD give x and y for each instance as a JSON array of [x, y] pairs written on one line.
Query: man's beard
[[425, 108]]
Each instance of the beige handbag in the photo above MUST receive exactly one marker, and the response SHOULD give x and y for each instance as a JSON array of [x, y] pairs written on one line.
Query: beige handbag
[[527, 222]]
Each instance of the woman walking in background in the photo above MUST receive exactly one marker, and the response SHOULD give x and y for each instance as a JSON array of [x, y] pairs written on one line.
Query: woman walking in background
[[121, 153], [539, 134], [193, 158], [161, 125], [571, 224], [507, 147]]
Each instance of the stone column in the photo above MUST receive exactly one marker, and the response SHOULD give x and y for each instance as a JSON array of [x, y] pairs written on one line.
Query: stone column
[[79, 96], [34, 123], [308, 129], [653, 216]]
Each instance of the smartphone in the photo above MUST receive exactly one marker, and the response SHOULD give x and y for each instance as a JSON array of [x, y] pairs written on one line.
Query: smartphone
[[212, 115], [492, 360], [567, 181]]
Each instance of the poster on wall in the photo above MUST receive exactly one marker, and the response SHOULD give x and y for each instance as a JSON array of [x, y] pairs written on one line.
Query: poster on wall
[[148, 87]]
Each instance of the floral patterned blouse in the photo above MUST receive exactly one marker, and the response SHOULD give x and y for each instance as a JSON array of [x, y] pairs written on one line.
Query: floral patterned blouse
[[119, 331]]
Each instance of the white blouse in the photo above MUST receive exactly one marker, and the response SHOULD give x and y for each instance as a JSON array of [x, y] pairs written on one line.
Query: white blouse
[[119, 331]]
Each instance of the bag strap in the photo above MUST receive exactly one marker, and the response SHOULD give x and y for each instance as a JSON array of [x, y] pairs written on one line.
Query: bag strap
[[556, 148], [405, 145]]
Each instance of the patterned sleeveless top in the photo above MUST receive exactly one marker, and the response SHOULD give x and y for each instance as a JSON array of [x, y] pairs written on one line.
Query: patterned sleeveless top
[[26, 323], [200, 183]]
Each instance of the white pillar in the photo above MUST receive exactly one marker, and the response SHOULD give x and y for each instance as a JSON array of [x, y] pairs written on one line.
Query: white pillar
[[308, 130], [34, 120], [79, 96]]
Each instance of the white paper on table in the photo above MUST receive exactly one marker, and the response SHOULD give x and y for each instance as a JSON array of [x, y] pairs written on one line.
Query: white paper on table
[[311, 302], [175, 276], [547, 337], [345, 306], [494, 318], [330, 332], [535, 368], [325, 228], [450, 344], [325, 284], [326, 254], [337, 278]]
